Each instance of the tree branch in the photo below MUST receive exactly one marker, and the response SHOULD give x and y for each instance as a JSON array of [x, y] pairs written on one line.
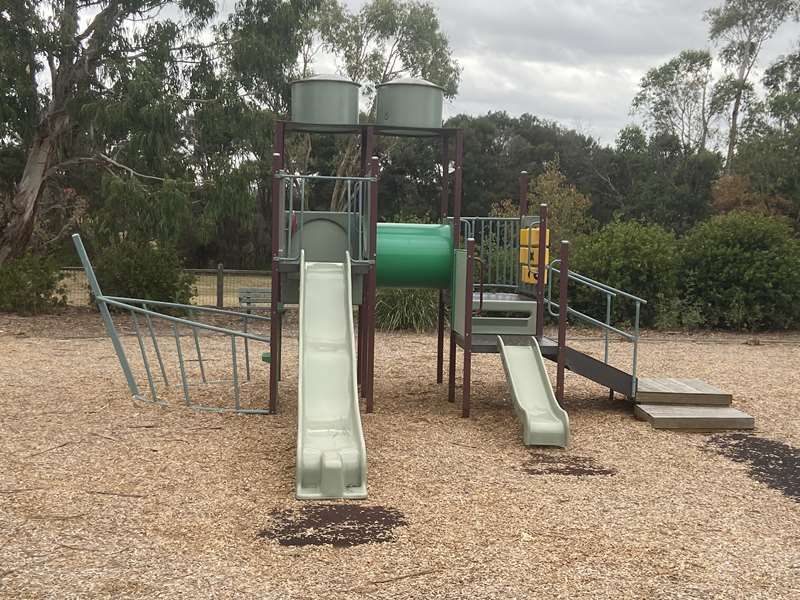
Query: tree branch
[[113, 162]]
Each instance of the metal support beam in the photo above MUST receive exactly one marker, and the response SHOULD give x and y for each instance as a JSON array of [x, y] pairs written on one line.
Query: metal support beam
[[563, 303], [440, 340], [541, 271], [458, 188], [275, 328], [524, 180], [445, 202], [457, 193], [465, 401], [373, 242]]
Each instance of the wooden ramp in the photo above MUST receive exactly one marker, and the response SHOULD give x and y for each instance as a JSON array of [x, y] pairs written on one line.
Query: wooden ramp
[[680, 391], [697, 418]]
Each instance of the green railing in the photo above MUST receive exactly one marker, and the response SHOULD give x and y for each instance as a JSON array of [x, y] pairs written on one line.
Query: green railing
[[145, 325], [610, 293]]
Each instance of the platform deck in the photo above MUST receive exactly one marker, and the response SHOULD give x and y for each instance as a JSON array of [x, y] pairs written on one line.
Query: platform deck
[[697, 418], [680, 391]]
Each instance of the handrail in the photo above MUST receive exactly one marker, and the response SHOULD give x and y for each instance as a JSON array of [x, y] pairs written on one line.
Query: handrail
[[603, 286], [178, 320], [578, 277], [192, 307], [609, 292]]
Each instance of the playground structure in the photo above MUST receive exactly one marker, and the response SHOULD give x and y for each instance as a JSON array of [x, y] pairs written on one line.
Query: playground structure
[[494, 276]]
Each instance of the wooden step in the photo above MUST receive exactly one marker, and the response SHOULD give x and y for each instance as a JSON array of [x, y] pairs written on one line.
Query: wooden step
[[680, 391], [698, 418]]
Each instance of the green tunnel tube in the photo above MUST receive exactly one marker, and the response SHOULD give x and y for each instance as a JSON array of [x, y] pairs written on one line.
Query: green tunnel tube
[[414, 255]]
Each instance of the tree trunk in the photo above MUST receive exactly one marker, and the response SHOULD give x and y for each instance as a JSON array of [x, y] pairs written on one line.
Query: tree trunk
[[737, 105], [345, 167], [21, 210], [734, 132]]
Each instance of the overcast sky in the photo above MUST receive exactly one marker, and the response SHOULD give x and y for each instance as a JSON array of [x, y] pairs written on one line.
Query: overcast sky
[[575, 61]]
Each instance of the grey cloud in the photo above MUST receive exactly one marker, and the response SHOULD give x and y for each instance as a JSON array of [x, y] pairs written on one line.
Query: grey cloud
[[574, 61]]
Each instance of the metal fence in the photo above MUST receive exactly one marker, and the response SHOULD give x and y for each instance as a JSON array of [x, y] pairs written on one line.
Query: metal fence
[[212, 287]]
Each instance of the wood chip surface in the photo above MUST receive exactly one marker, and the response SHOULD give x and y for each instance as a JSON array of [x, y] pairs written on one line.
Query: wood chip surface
[[105, 497]]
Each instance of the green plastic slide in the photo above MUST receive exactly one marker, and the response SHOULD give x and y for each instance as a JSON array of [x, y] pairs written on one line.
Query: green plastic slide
[[544, 422], [331, 456]]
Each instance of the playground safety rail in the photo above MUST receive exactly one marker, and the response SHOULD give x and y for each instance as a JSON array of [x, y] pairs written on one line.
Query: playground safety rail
[[294, 190], [137, 307], [609, 293], [495, 237]]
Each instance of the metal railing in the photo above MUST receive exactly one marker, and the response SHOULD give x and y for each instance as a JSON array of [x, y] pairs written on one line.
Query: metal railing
[[497, 245], [294, 206], [609, 293], [148, 326]]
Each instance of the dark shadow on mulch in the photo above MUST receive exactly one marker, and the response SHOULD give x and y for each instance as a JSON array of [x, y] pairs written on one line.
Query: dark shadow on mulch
[[341, 525], [770, 462], [541, 463]]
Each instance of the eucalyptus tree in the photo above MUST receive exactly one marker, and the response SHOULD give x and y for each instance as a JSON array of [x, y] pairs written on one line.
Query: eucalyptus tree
[[740, 28], [382, 41], [679, 98], [60, 57], [158, 110]]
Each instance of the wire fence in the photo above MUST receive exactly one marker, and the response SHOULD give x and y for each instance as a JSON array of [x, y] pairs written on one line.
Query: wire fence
[[212, 287]]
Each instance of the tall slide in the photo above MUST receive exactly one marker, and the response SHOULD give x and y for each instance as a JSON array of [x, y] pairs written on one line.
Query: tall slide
[[544, 422], [331, 456]]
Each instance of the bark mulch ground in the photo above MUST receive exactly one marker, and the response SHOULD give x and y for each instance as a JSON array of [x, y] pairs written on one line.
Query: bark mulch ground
[[105, 497]]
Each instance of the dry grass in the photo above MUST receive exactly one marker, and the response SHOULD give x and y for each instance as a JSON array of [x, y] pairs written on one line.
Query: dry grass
[[102, 497]]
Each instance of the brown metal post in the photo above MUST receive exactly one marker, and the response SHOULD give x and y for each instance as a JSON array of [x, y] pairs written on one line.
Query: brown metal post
[[440, 340], [443, 216], [524, 180], [367, 148], [458, 187], [457, 192], [275, 326], [541, 269], [359, 355], [563, 304], [373, 242], [468, 329], [220, 285]]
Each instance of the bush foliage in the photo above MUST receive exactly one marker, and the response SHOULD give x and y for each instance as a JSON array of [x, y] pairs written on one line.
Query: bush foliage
[[136, 270], [30, 284], [640, 259], [743, 268], [406, 309]]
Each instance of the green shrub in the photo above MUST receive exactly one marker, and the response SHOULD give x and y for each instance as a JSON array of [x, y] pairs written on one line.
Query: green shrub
[[136, 270], [744, 270], [30, 284], [678, 312], [640, 259], [406, 309]]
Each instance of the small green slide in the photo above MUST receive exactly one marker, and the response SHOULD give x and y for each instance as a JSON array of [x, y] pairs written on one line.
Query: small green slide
[[544, 422], [331, 456]]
